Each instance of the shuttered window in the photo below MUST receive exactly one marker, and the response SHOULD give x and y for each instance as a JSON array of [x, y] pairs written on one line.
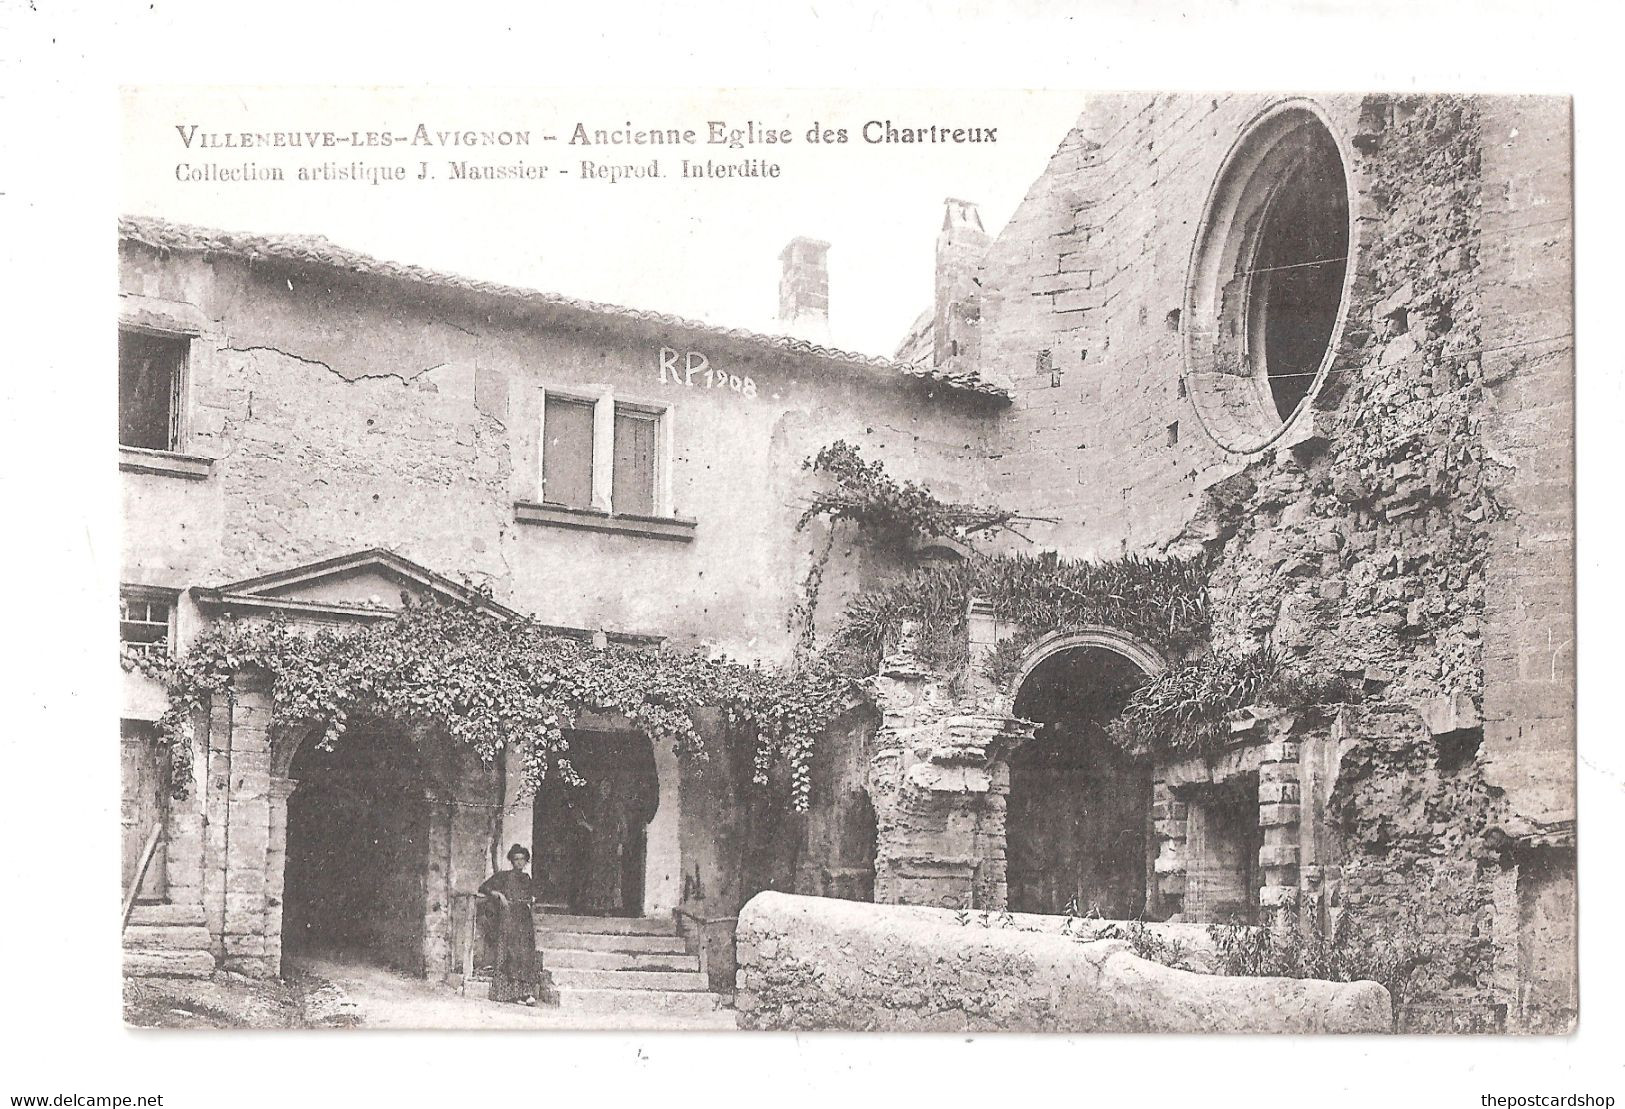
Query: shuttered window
[[633, 485], [567, 452]]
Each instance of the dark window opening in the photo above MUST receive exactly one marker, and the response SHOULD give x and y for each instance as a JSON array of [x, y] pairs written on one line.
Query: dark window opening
[[567, 426], [633, 480], [143, 625], [150, 368], [1223, 879], [1298, 273]]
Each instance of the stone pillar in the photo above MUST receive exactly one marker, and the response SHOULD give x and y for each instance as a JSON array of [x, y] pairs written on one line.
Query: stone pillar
[[276, 861], [459, 860], [1278, 817], [663, 859], [216, 750], [1171, 821], [939, 782], [248, 827], [519, 813], [185, 826]]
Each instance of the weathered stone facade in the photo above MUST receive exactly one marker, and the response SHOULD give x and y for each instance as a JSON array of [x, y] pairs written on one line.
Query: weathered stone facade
[[1410, 530], [1402, 523]]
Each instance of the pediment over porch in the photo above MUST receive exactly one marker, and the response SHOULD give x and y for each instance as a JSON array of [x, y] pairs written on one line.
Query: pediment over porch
[[364, 586]]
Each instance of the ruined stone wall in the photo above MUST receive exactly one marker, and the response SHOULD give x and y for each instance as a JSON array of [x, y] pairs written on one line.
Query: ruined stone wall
[[1411, 536], [820, 963], [346, 413]]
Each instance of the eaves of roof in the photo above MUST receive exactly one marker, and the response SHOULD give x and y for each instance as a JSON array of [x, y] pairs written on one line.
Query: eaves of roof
[[317, 251]]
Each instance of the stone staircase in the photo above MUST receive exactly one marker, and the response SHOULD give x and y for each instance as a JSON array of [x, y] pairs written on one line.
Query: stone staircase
[[628, 968], [167, 941]]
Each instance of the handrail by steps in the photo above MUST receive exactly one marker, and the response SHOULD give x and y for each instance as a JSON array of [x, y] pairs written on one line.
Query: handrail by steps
[[703, 924], [140, 874]]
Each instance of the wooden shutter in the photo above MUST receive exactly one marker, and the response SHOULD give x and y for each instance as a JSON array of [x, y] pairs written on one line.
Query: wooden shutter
[[143, 803], [567, 452], [633, 488]]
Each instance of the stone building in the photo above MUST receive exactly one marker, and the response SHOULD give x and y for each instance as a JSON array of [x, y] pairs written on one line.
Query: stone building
[[1325, 341]]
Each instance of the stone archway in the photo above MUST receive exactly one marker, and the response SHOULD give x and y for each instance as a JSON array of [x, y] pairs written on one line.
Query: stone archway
[[448, 816], [357, 850], [1078, 829]]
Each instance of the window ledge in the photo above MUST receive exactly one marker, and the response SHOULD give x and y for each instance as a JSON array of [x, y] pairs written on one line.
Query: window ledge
[[139, 460], [673, 529]]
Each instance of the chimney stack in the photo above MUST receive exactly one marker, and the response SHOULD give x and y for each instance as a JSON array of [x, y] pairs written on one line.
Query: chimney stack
[[804, 289], [961, 245]]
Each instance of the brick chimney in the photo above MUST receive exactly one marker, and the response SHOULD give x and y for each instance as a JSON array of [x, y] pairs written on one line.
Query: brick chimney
[[961, 245], [804, 289]]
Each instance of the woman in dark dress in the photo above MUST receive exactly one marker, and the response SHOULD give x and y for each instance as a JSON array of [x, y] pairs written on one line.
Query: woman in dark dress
[[517, 973]]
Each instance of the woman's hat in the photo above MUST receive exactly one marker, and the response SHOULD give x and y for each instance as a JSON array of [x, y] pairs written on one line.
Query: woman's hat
[[518, 849]]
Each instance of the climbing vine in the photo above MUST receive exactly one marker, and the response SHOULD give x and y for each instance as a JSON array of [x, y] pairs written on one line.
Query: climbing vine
[[1186, 709], [1163, 601], [886, 512], [493, 684]]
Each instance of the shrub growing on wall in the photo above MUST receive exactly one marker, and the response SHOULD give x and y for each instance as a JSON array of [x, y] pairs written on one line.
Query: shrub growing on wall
[[493, 685]]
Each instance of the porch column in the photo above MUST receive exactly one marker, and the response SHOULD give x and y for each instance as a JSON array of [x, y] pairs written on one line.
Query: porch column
[[519, 813], [276, 862], [663, 859]]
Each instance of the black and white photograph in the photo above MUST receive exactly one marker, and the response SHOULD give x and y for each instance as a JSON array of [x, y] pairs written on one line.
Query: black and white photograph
[[1168, 628], [830, 554]]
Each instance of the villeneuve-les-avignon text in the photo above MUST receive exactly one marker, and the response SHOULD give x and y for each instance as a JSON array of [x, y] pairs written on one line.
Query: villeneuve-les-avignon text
[[721, 134]]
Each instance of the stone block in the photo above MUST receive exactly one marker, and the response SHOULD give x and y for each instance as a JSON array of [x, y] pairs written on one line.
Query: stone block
[[1270, 792], [1278, 855], [1277, 814]]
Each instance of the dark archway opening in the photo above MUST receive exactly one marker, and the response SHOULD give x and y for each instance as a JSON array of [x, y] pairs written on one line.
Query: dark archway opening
[[1298, 270], [358, 851], [592, 839], [1079, 810]]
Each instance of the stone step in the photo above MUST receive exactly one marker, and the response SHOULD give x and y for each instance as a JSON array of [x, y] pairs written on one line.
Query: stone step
[[168, 937], [166, 914], [640, 980], [618, 960], [653, 1003], [597, 941], [168, 964], [608, 925]]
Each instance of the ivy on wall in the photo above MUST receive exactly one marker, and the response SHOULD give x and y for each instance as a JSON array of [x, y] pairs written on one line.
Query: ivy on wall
[[1163, 601], [494, 685]]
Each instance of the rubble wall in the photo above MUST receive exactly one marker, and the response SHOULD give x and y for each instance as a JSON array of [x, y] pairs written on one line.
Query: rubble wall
[[808, 962], [1413, 538]]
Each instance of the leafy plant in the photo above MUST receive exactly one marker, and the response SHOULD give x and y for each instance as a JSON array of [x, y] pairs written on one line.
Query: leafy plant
[[1346, 953], [1147, 944], [1161, 600], [1186, 709], [494, 684], [888, 510]]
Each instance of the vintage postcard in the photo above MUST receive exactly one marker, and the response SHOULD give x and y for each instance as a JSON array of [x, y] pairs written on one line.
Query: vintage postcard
[[918, 561]]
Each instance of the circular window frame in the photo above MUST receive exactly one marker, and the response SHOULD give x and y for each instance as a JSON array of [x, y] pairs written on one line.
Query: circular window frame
[[1237, 409]]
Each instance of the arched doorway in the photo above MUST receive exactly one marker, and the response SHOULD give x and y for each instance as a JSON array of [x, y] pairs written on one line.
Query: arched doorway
[[592, 839], [1079, 811], [358, 851]]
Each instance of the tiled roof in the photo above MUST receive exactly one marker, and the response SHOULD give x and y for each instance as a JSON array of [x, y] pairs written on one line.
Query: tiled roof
[[317, 250]]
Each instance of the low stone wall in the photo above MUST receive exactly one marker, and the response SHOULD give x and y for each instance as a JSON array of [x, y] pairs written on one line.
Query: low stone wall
[[812, 962]]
